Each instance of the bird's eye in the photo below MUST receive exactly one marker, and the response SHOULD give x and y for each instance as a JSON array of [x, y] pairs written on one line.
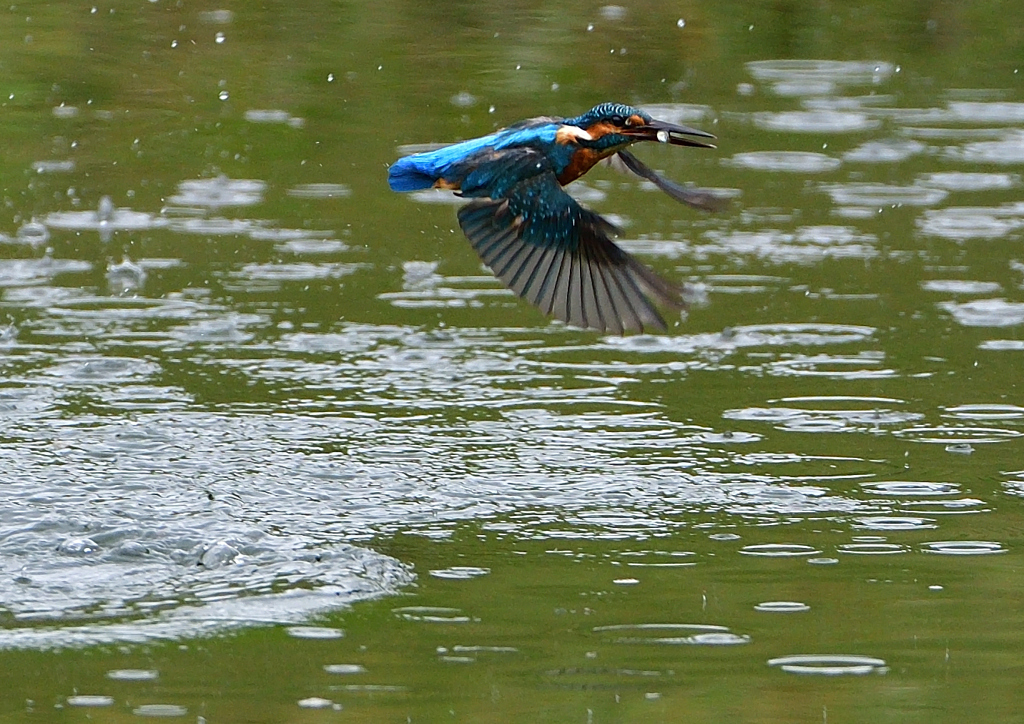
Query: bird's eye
[[618, 121]]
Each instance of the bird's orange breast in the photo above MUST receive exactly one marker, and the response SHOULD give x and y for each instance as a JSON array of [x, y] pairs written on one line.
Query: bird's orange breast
[[584, 158], [582, 161]]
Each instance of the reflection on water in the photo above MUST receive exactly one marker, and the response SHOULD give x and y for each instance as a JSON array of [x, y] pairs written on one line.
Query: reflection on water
[[257, 407]]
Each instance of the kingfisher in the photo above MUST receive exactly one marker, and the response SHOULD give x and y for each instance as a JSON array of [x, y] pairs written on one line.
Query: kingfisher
[[536, 238]]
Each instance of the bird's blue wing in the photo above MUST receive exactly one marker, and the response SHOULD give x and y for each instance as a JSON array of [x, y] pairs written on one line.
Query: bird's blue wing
[[423, 170], [551, 251]]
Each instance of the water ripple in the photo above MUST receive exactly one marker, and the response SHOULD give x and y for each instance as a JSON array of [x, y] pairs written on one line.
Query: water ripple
[[960, 286], [972, 222], [782, 607], [785, 161], [219, 192], [1008, 150], [892, 150], [822, 122], [795, 419], [986, 312], [807, 245], [873, 195], [969, 181], [910, 488], [840, 72], [779, 550], [963, 548], [830, 664]]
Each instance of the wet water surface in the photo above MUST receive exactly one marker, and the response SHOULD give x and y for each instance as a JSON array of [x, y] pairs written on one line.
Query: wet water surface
[[277, 448]]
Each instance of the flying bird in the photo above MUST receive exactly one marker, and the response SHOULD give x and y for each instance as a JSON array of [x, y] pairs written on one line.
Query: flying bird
[[536, 238]]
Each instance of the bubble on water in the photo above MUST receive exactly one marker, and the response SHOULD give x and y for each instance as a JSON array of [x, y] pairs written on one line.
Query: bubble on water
[[680, 23], [223, 95], [219, 38], [78, 547], [33, 233], [663, 136], [626, 581], [125, 276], [830, 664]]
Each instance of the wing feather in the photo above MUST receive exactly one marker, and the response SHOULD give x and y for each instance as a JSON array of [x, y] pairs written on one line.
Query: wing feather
[[553, 252]]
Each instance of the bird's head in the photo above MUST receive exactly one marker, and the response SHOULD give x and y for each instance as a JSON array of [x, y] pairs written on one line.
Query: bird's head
[[615, 125]]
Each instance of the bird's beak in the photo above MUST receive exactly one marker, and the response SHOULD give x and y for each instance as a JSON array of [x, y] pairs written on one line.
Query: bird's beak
[[669, 133]]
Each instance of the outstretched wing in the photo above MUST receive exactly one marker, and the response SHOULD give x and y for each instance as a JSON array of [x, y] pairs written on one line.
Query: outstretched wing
[[697, 198], [553, 252]]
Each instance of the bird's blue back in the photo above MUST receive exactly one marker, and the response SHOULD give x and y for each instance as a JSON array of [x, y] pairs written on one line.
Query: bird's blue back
[[423, 170]]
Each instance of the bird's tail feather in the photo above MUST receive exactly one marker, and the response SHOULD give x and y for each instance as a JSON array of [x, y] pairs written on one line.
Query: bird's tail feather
[[407, 174]]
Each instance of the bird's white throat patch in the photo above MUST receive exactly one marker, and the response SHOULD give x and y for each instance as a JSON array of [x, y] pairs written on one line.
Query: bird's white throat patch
[[565, 134]]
